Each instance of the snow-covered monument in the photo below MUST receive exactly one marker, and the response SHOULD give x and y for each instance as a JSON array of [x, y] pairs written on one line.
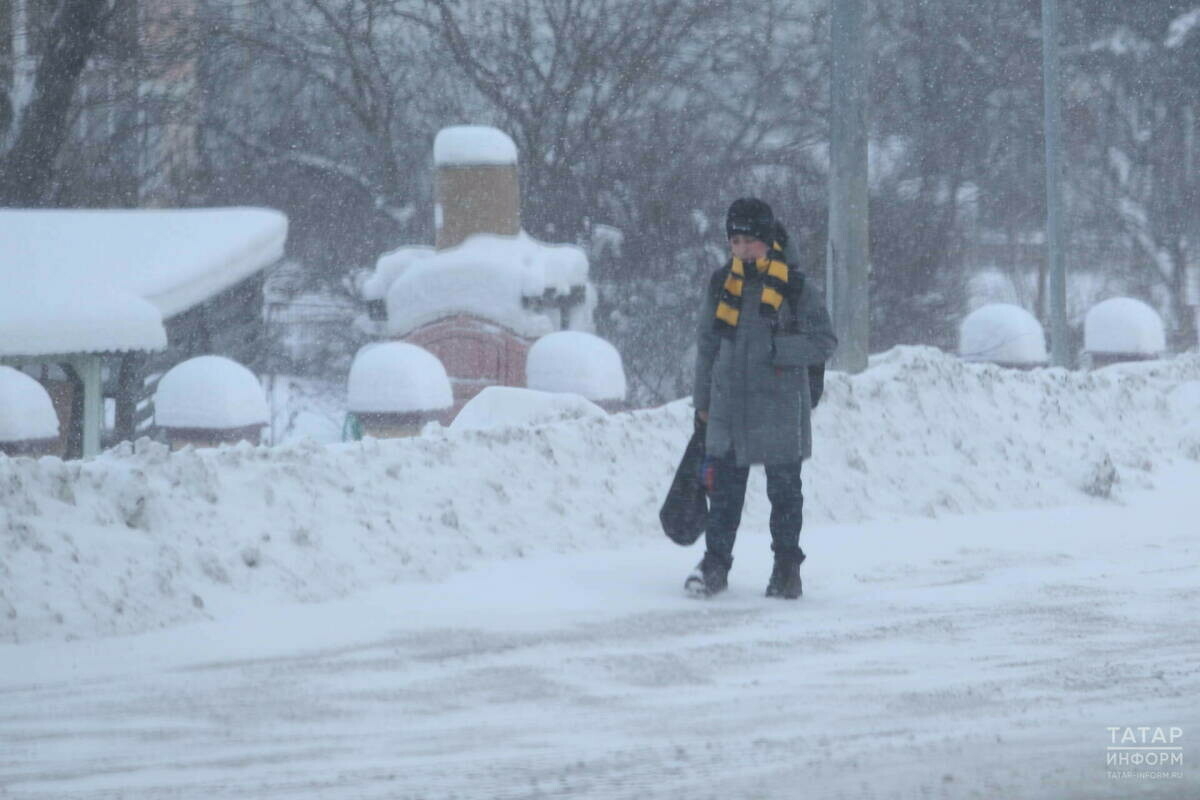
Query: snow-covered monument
[[487, 291], [1122, 329], [1004, 334]]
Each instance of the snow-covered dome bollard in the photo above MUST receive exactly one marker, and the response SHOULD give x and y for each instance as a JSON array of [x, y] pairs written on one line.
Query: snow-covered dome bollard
[[477, 185], [210, 400], [397, 387], [1004, 334], [579, 363], [28, 423], [1122, 329]]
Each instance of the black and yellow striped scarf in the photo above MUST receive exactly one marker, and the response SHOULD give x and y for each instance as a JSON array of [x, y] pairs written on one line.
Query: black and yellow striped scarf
[[775, 273]]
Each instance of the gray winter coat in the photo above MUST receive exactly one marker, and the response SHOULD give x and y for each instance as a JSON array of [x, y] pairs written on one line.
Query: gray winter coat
[[754, 385]]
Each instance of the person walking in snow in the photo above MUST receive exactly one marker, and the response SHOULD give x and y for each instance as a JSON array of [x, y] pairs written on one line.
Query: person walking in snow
[[763, 330]]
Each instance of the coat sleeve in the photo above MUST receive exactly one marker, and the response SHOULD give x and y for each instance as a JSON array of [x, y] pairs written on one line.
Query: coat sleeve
[[816, 330], [707, 343]]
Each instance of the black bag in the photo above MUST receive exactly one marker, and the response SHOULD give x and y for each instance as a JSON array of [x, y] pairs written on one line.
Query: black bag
[[684, 514]]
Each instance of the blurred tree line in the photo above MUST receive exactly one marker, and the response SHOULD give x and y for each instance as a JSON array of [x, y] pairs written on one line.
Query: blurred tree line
[[637, 122]]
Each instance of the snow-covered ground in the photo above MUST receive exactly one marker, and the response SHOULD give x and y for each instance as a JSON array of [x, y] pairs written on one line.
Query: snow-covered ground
[[1003, 566]]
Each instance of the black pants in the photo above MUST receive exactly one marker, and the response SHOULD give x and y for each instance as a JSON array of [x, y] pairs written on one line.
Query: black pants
[[726, 500]]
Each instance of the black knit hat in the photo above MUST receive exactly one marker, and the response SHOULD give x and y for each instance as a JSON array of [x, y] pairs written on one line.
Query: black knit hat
[[750, 216]]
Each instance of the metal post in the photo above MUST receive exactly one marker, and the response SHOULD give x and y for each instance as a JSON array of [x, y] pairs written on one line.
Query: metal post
[[847, 254], [1059, 354], [1191, 294], [93, 403]]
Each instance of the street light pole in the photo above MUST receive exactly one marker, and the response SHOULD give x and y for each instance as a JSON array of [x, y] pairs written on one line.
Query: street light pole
[[1059, 354], [847, 253]]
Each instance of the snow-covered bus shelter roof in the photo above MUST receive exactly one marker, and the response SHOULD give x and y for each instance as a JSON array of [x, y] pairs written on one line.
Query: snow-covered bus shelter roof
[[90, 281], [75, 284]]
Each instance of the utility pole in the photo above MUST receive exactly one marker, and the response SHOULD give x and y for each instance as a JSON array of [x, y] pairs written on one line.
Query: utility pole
[[1059, 355], [847, 254], [1192, 290]]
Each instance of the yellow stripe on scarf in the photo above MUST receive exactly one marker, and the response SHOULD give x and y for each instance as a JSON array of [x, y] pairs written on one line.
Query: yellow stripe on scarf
[[733, 283], [775, 274], [777, 269]]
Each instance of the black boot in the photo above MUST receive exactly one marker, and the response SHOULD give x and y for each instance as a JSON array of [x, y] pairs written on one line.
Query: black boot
[[785, 577], [711, 576]]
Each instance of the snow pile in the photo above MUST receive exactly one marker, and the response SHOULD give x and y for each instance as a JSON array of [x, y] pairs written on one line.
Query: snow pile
[[143, 537], [305, 408], [576, 362], [211, 392], [397, 378], [1125, 326], [510, 407], [26, 412], [1002, 334], [391, 266], [46, 314], [1184, 401], [471, 145], [502, 279]]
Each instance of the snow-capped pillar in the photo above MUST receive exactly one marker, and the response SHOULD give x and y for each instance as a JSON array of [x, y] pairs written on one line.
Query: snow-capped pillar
[[477, 184]]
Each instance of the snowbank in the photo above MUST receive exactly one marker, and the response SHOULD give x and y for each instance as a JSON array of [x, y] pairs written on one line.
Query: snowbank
[[142, 537], [1003, 334], [1124, 325], [26, 412], [509, 407], [397, 378], [577, 362], [209, 392]]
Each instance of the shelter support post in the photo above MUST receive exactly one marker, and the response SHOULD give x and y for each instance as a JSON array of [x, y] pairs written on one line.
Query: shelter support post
[[88, 368]]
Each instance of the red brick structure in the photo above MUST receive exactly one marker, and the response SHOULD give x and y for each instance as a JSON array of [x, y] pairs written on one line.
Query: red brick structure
[[475, 353]]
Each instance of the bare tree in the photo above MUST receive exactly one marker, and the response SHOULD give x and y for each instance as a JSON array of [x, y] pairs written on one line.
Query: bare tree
[[324, 109], [1136, 138], [38, 124]]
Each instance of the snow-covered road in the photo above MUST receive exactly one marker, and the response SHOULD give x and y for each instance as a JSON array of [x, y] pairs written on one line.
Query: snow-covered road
[[973, 656]]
